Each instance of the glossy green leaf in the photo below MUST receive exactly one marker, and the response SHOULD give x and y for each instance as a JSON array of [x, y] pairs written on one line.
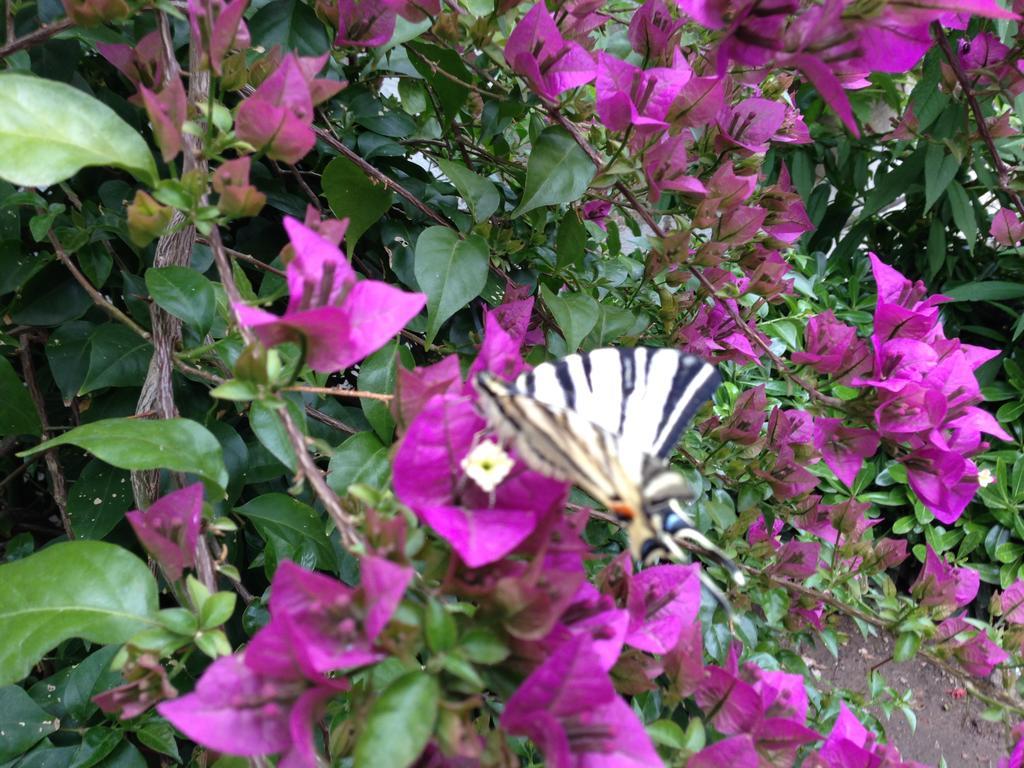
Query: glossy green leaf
[[22, 722], [88, 589], [291, 24], [296, 530], [17, 411], [575, 313], [479, 193], [451, 271], [353, 196], [377, 374], [98, 500], [940, 168], [266, 423], [400, 723], [41, 146], [184, 293], [117, 358], [363, 458], [67, 352], [963, 214], [180, 445], [571, 241], [988, 290], [558, 171]]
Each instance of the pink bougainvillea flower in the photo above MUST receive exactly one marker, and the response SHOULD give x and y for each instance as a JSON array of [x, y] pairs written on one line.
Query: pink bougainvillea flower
[[714, 335], [1011, 602], [595, 616], [278, 117], [943, 480], [630, 96], [1007, 228], [238, 198], [970, 646], [665, 166], [142, 63], [652, 29], [684, 664], [415, 388], [218, 28], [662, 601], [826, 342], [147, 685], [237, 710], [169, 529], [569, 708], [942, 585], [341, 319], [597, 211], [758, 532], [751, 124], [330, 626], [167, 111], [797, 559], [844, 448], [505, 329], [748, 416], [537, 51], [481, 527], [365, 23], [734, 751]]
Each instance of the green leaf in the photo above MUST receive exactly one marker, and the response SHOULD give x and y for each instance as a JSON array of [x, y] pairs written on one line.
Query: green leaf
[[158, 735], [377, 374], [98, 500], [667, 733], [41, 146], [22, 722], [963, 214], [988, 290], [17, 411], [558, 171], [571, 241], [936, 246], [452, 272], [480, 194], [363, 458], [67, 352], [400, 723], [352, 195], [450, 94], [266, 423], [87, 589], [438, 627], [906, 646], [291, 24], [575, 313], [940, 168], [117, 358], [295, 529], [184, 293], [482, 646], [892, 185], [180, 445]]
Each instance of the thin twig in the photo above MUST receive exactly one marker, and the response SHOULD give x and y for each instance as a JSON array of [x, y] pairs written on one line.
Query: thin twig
[[730, 310], [344, 523], [56, 472], [437, 70], [340, 392], [328, 138], [40, 35], [939, 33], [98, 298], [330, 421]]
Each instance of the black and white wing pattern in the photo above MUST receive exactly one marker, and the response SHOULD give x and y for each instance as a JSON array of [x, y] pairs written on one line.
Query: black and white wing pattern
[[643, 396]]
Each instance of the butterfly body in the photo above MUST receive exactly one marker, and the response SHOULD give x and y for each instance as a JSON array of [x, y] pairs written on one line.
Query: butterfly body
[[607, 421]]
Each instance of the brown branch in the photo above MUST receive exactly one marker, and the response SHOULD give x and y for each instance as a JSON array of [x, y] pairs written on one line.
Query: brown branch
[[437, 70], [328, 138], [40, 35], [651, 222], [98, 298], [330, 421], [308, 468], [979, 118], [340, 392], [56, 472]]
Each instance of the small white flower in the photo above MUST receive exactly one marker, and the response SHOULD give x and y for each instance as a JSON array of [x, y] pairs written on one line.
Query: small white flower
[[986, 478], [487, 465]]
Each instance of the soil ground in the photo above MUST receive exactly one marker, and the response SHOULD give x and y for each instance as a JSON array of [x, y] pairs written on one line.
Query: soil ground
[[947, 727]]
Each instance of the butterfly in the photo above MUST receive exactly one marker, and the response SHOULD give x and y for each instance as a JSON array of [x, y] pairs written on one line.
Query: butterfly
[[607, 421]]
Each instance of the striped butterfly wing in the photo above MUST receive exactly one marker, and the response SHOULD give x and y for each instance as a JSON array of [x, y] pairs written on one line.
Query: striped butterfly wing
[[559, 443], [643, 396]]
